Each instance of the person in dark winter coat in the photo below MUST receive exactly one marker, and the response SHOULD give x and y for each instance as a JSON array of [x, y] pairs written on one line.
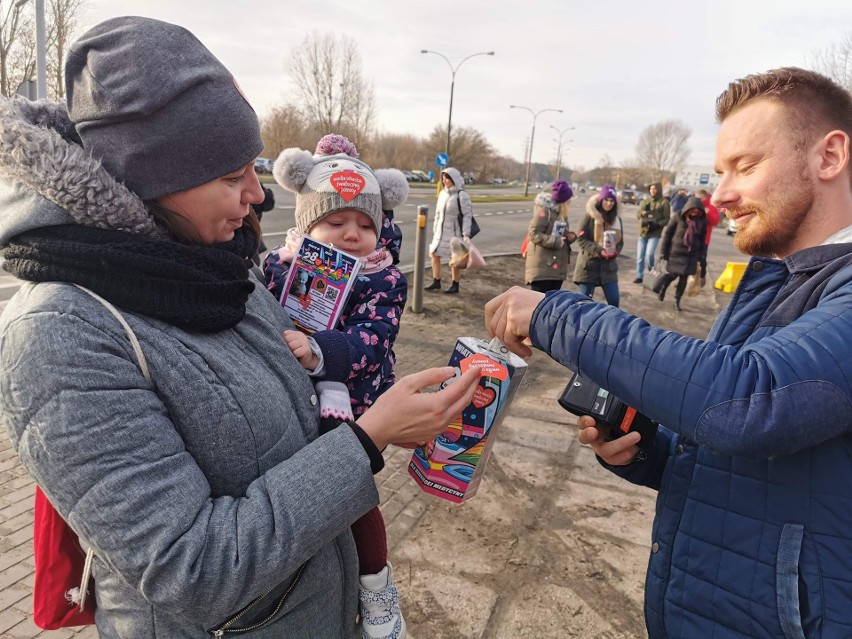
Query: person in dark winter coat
[[653, 215], [596, 266], [549, 239], [354, 360], [205, 490], [259, 209], [753, 526], [683, 248]]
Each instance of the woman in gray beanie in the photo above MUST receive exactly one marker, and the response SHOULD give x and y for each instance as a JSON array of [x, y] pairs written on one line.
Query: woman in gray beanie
[[194, 468]]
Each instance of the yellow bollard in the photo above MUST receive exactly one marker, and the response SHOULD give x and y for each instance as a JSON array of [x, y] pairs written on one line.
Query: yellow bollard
[[731, 276]]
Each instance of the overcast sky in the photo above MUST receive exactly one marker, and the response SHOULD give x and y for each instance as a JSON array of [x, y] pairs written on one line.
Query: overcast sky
[[612, 66]]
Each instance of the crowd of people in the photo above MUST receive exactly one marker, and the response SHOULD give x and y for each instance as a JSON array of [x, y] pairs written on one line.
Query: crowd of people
[[673, 236], [264, 520]]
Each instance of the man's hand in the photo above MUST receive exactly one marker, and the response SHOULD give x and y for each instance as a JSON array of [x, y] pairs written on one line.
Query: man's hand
[[298, 344], [508, 317], [403, 415], [617, 452]]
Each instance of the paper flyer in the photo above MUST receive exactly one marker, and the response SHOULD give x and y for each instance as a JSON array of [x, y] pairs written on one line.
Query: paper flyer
[[318, 284]]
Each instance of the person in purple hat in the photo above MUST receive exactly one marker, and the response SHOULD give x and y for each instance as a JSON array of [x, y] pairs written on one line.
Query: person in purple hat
[[549, 240], [600, 239]]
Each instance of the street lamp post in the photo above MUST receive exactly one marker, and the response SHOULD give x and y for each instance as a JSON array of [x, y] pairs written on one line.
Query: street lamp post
[[41, 51], [453, 84], [561, 132], [559, 151], [535, 115]]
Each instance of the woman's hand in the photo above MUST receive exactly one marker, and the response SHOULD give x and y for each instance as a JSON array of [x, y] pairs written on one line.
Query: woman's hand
[[405, 415], [616, 452]]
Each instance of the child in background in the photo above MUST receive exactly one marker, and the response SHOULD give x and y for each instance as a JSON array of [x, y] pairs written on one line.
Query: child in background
[[342, 201]]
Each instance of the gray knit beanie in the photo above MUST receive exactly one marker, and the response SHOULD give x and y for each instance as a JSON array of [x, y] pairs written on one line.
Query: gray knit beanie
[[332, 181], [156, 107]]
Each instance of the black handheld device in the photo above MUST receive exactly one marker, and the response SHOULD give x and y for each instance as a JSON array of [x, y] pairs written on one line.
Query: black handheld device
[[583, 397]]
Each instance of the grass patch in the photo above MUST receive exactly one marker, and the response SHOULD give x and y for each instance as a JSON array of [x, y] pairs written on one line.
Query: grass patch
[[501, 198]]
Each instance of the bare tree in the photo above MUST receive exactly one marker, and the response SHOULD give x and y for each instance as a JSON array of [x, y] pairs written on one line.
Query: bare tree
[[399, 151], [284, 127], [18, 43], [472, 153], [631, 173], [835, 61], [61, 25], [336, 97], [662, 148], [12, 23]]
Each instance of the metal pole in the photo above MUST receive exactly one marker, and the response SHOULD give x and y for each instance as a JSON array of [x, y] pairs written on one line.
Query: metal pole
[[559, 159], [529, 158], [535, 114], [453, 70], [561, 132], [41, 51], [419, 259], [450, 118], [41, 48]]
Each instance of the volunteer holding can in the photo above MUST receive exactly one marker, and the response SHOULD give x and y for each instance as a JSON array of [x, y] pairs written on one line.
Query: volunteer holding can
[[600, 240]]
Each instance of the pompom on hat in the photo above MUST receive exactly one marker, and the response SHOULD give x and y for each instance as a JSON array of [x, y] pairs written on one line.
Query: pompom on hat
[[560, 192], [335, 179], [172, 120]]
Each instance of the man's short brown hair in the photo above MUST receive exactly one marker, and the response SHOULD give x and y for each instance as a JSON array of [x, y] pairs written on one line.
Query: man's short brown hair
[[815, 103]]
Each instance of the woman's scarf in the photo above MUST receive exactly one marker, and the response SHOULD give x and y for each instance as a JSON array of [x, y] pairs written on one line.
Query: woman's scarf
[[203, 288]]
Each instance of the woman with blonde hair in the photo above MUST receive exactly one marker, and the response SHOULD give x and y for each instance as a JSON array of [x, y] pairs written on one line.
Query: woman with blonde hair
[[549, 240]]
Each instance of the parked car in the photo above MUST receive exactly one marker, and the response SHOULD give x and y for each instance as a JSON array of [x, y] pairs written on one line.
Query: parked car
[[630, 197], [263, 165], [732, 226], [411, 177], [422, 175]]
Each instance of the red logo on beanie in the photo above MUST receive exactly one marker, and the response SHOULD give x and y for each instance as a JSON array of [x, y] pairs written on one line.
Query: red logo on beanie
[[240, 90], [348, 184]]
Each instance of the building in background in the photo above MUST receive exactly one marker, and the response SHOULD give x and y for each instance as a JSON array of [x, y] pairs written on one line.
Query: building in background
[[698, 177]]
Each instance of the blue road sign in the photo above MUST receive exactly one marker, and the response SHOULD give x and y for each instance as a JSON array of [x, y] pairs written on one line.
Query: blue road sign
[[442, 159]]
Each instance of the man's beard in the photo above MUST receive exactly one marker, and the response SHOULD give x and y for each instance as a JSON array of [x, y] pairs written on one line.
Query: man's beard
[[775, 224]]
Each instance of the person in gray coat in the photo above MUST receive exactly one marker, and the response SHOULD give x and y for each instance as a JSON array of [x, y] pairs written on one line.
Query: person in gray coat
[[210, 500]]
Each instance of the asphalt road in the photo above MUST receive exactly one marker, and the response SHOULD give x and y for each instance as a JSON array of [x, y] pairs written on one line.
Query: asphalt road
[[503, 225]]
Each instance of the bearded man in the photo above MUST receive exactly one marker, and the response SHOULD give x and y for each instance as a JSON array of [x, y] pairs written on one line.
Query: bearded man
[[753, 457]]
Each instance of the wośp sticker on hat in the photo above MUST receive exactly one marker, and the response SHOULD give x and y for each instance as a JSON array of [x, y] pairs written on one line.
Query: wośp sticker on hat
[[348, 184]]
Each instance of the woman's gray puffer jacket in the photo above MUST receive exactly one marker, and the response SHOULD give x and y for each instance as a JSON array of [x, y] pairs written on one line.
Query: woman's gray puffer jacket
[[197, 494]]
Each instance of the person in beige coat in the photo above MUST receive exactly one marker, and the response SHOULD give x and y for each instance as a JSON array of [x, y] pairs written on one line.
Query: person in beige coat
[[549, 241]]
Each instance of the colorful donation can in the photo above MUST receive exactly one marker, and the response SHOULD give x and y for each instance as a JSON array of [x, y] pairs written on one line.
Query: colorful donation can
[[452, 465]]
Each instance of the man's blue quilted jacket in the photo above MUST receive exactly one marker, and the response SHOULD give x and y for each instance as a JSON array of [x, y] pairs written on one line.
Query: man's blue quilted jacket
[[753, 529]]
